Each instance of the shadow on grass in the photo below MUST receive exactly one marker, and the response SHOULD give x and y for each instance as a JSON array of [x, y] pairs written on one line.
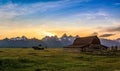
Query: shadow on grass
[[1, 51]]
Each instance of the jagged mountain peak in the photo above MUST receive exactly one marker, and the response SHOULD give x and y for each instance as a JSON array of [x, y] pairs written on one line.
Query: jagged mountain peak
[[53, 41]]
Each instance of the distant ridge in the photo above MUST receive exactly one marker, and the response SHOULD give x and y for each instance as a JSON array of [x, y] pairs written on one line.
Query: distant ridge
[[110, 43], [48, 41]]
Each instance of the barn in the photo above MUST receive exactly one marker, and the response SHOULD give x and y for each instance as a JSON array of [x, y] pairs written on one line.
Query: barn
[[86, 44]]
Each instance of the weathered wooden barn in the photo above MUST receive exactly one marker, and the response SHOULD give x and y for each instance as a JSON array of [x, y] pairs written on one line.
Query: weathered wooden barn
[[86, 44]]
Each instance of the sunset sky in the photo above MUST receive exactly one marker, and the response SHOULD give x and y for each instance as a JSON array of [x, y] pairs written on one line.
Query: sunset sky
[[39, 18]]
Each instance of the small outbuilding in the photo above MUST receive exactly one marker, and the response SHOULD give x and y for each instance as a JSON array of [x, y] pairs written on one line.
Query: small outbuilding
[[38, 47], [86, 44]]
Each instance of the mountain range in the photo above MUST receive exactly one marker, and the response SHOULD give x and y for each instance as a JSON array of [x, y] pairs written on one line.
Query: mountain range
[[48, 41]]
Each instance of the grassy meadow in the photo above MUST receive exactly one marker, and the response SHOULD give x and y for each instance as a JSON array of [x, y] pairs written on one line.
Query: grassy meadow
[[54, 59]]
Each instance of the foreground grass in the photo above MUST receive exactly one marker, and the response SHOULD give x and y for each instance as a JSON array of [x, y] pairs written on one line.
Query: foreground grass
[[20, 59]]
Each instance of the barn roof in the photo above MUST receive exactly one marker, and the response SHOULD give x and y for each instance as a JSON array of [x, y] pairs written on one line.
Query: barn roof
[[86, 40]]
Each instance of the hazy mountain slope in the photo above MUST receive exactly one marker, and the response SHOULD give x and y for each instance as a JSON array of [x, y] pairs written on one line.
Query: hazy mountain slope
[[20, 43], [47, 41], [109, 43]]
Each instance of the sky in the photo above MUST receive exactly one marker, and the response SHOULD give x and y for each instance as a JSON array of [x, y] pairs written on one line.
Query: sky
[[39, 18]]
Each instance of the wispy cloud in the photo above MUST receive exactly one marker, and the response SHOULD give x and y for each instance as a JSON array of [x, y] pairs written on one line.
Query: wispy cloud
[[10, 10], [113, 29], [93, 14], [106, 35], [110, 29], [117, 4]]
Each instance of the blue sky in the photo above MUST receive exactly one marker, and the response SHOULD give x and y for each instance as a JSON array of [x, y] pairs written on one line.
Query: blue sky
[[54, 16]]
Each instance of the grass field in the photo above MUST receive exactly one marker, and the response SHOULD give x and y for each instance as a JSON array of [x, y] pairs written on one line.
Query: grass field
[[54, 59]]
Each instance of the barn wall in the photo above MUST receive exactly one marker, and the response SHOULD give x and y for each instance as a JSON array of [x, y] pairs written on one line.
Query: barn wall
[[90, 48], [87, 49], [72, 49]]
